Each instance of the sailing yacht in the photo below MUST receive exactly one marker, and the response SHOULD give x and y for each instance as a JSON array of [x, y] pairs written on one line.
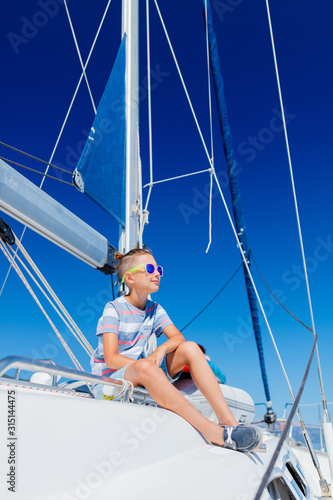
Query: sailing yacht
[[57, 440]]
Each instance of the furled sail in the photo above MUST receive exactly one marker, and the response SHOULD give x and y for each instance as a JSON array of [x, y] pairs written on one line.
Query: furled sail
[[100, 172], [235, 192]]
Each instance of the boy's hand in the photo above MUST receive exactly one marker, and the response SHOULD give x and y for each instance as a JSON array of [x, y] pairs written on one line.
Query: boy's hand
[[157, 356]]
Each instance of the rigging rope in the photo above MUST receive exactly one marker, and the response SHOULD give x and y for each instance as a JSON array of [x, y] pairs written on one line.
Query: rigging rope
[[48, 298], [212, 300], [210, 210], [290, 165], [35, 158], [246, 264], [209, 90], [63, 126], [36, 171], [25, 282], [321, 383], [183, 83], [72, 326], [149, 111], [238, 213], [179, 177], [80, 58], [275, 297], [211, 133], [210, 157]]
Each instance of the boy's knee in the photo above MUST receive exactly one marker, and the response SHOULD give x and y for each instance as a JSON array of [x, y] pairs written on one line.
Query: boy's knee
[[190, 347], [145, 367]]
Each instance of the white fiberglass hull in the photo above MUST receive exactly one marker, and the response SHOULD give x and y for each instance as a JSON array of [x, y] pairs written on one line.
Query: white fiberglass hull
[[70, 446]]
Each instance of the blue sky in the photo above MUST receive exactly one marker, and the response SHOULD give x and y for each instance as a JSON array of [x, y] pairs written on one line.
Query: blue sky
[[40, 70]]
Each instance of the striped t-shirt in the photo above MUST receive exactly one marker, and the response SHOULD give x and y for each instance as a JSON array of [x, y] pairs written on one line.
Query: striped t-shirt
[[133, 327]]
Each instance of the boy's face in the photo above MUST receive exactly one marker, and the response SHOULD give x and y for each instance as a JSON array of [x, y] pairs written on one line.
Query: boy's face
[[141, 279]]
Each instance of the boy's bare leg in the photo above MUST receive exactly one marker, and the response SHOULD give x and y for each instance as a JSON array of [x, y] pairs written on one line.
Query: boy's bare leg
[[147, 374], [188, 353]]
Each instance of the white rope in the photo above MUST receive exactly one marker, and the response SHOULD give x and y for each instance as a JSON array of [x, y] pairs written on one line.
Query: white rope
[[211, 132], [210, 210], [178, 177], [25, 282], [183, 83], [67, 319], [79, 54], [64, 123], [209, 90], [151, 183], [254, 287], [295, 203], [47, 298], [149, 109], [139, 212], [145, 214]]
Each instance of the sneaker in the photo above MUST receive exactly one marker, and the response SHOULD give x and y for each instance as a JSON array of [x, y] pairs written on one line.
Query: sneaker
[[243, 438]]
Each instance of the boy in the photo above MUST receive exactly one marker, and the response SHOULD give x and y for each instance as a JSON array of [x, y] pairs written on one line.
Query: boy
[[123, 332]]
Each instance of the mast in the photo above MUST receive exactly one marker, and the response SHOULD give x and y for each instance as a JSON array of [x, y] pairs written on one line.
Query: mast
[[130, 28]]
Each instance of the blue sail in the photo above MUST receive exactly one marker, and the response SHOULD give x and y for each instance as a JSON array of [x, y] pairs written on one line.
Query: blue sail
[[234, 187], [101, 169]]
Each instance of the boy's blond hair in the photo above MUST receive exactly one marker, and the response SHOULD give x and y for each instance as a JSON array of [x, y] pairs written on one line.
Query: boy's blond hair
[[128, 260]]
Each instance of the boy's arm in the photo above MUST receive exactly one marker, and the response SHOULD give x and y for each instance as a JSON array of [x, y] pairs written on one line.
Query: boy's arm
[[174, 339], [111, 356]]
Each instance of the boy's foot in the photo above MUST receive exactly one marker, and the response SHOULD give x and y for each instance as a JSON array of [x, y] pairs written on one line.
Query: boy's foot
[[243, 438]]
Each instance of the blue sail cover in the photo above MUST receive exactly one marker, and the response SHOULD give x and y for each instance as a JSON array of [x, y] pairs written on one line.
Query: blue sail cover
[[100, 172], [234, 185]]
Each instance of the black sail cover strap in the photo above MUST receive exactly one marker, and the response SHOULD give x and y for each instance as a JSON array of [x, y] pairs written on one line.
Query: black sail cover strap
[[6, 233]]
